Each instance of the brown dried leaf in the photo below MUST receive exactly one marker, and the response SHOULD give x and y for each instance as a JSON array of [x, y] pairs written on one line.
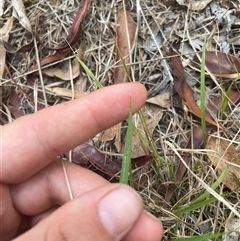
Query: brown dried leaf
[[67, 74], [219, 64], [126, 30], [141, 161], [184, 90], [162, 100], [86, 153], [20, 14], [225, 155], [111, 133], [11, 49], [67, 92]]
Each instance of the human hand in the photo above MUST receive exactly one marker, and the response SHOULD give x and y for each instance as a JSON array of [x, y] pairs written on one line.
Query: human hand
[[34, 194]]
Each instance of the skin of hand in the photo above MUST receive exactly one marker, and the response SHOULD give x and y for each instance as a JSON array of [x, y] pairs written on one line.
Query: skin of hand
[[35, 202]]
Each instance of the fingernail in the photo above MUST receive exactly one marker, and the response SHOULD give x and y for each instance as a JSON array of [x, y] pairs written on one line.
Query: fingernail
[[118, 211]]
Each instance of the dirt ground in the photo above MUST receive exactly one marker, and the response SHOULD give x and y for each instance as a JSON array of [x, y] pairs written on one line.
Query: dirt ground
[[159, 25]]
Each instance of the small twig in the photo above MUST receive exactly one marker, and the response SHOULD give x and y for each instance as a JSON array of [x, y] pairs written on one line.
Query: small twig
[[67, 180], [40, 73]]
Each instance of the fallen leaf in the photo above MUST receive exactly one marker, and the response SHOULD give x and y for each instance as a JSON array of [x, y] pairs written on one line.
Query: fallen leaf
[[225, 155], [184, 90], [162, 100], [219, 64], [67, 74], [85, 153], [194, 5], [20, 13], [4, 34], [126, 30], [111, 133], [66, 92], [141, 161]]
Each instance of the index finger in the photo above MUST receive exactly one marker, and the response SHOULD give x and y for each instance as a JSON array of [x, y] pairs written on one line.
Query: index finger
[[31, 142]]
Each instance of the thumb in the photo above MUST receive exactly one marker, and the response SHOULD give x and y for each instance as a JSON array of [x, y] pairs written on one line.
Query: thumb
[[106, 213]]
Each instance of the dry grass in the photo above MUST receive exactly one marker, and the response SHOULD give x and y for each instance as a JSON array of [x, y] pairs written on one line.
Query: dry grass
[[155, 19]]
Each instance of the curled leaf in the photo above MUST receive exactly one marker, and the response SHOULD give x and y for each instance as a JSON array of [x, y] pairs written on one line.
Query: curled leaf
[[72, 39], [75, 29], [86, 153]]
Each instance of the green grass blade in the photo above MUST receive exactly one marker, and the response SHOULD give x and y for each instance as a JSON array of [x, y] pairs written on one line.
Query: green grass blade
[[90, 74], [202, 93], [203, 199], [126, 170], [200, 237], [126, 69], [206, 194], [194, 206]]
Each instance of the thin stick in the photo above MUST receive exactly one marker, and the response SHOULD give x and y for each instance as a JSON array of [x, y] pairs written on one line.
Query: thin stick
[[67, 180]]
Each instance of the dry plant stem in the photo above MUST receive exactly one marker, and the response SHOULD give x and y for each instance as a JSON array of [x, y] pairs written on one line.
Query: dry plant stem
[[195, 141], [71, 80], [209, 189], [67, 180], [60, 21], [40, 73]]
